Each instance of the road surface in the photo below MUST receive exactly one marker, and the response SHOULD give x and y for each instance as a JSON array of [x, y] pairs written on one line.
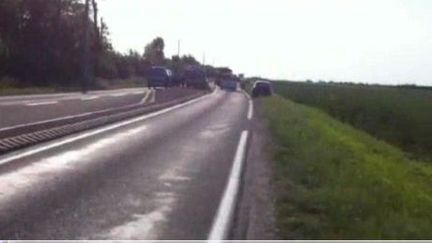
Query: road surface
[[159, 176], [19, 110]]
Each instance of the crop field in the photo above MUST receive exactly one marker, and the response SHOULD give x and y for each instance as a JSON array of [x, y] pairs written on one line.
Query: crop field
[[401, 116], [333, 181]]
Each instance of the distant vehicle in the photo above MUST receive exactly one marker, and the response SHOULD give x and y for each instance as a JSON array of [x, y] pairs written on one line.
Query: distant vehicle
[[221, 74], [195, 77], [262, 88], [229, 84], [160, 77]]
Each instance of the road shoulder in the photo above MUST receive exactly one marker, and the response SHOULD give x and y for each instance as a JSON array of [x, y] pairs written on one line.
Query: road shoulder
[[255, 218]]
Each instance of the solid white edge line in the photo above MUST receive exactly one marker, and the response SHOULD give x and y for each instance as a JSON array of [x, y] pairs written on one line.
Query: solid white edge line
[[118, 95], [226, 208], [250, 109], [9, 158], [41, 103], [23, 99], [90, 98]]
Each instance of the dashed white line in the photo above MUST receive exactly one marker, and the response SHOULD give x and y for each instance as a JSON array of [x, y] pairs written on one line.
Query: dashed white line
[[221, 223], [250, 110], [41, 103]]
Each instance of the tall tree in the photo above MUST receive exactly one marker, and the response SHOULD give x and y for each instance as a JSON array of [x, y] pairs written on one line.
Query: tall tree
[[154, 51]]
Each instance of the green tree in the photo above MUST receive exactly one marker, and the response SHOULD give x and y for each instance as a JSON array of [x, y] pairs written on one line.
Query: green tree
[[154, 51]]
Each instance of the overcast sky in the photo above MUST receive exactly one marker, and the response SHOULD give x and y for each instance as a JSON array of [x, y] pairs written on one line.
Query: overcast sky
[[375, 41]]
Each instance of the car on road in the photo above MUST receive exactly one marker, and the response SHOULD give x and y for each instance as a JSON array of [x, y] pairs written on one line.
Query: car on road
[[262, 88], [195, 77], [160, 77], [229, 84]]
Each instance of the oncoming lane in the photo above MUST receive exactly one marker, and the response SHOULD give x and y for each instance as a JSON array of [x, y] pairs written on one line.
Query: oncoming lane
[[27, 111]]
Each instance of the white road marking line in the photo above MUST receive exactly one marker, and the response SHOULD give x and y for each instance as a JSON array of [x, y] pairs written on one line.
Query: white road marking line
[[8, 158], [57, 119], [20, 99], [118, 95], [41, 103], [145, 98], [221, 223], [90, 97], [250, 110], [127, 93]]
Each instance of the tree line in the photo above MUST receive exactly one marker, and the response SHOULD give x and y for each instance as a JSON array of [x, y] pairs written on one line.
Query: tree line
[[42, 43]]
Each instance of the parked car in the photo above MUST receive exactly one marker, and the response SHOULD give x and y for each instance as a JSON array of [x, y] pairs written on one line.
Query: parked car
[[160, 77], [229, 84], [262, 88]]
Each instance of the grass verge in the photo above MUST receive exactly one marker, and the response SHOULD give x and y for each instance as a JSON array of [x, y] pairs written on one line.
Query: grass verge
[[336, 182]]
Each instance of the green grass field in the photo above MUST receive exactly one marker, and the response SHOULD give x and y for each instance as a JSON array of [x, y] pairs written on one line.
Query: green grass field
[[400, 116], [333, 181]]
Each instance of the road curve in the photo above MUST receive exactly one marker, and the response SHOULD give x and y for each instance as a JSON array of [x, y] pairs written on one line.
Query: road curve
[[160, 177]]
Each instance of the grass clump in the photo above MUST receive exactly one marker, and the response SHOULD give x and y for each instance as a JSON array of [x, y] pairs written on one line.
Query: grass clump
[[336, 182]]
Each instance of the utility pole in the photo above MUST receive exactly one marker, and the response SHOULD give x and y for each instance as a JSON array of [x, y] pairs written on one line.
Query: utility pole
[[85, 68], [97, 45], [203, 60]]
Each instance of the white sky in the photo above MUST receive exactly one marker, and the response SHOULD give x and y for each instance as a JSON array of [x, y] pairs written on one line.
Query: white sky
[[375, 41]]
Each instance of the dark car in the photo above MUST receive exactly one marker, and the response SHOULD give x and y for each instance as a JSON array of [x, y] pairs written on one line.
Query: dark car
[[262, 88], [160, 77], [195, 77]]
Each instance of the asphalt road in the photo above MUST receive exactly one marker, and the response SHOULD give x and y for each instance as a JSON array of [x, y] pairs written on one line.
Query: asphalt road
[[152, 177], [19, 110]]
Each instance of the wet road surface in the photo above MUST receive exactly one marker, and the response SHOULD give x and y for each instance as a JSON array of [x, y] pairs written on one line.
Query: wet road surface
[[156, 177]]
